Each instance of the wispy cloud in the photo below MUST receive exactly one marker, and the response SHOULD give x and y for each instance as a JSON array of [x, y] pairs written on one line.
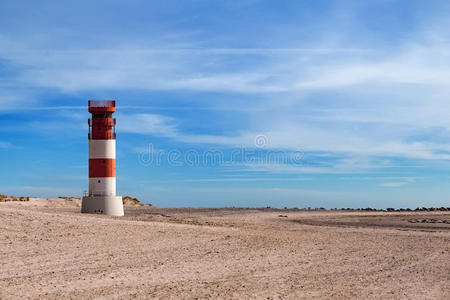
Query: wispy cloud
[[6, 145], [273, 69], [241, 179], [153, 124], [293, 137], [392, 184]]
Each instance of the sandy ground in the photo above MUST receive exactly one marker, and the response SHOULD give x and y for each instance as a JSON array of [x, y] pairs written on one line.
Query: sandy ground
[[49, 250]]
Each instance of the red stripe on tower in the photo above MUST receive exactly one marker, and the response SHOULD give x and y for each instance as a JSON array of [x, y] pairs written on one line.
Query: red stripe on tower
[[102, 167]]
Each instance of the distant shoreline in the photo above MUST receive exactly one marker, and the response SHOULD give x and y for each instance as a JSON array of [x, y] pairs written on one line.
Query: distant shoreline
[[4, 198]]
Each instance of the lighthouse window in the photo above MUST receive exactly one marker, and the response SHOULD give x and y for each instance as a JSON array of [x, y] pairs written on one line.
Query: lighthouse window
[[99, 181], [105, 115]]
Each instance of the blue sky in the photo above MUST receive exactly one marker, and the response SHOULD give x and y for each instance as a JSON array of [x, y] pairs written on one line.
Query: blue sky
[[246, 103]]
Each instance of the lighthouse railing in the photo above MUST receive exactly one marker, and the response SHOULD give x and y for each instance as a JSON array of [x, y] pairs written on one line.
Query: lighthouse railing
[[102, 103]]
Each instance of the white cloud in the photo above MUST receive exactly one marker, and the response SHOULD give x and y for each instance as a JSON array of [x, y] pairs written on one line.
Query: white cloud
[[209, 69], [248, 179], [392, 184], [6, 145], [294, 137], [384, 101], [153, 124], [16, 98]]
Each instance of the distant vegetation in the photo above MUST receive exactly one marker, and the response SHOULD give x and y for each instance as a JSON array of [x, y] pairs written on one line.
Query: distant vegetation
[[130, 200], [5, 198], [126, 200]]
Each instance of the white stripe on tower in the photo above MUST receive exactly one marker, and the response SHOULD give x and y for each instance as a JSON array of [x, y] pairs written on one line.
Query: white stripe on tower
[[102, 149], [102, 186]]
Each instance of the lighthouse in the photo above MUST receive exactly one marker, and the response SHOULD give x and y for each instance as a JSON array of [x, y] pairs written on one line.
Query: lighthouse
[[102, 198]]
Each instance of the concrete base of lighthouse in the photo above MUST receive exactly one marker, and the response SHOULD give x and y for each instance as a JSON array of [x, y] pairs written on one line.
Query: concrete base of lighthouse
[[106, 205]]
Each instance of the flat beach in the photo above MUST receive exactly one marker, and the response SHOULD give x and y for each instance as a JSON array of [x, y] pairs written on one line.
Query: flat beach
[[49, 250]]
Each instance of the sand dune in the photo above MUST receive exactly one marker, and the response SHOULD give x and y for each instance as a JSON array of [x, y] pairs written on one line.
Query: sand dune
[[49, 250]]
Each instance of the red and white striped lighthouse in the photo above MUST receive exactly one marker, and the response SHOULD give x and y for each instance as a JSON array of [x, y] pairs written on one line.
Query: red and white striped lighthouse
[[102, 197]]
